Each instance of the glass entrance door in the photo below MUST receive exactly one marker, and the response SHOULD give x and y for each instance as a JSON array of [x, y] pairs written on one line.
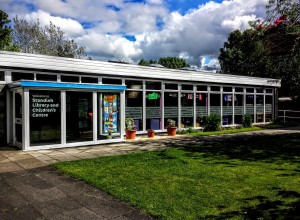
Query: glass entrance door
[[17, 119]]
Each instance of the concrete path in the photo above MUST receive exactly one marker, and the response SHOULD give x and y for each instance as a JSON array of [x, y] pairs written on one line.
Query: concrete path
[[30, 189]]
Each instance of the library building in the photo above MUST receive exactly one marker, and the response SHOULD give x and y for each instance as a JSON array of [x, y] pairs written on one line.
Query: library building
[[55, 102]]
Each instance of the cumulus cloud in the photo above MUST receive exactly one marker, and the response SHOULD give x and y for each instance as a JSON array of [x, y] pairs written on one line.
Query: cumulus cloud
[[71, 27], [101, 26]]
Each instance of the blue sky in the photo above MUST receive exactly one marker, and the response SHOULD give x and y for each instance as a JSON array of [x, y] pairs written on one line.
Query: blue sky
[[129, 30]]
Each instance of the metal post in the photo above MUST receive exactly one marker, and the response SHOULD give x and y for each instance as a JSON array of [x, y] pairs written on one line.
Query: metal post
[[284, 117]]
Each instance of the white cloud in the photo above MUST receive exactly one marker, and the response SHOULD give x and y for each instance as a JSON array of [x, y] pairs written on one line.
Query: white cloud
[[71, 27], [198, 33]]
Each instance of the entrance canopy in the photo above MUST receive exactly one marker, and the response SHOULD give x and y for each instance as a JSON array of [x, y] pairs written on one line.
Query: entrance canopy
[[59, 85]]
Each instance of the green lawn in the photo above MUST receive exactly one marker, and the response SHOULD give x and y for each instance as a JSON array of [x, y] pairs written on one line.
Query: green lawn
[[254, 178]]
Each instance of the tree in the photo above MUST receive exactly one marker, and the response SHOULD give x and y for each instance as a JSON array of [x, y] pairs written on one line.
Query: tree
[[168, 62], [5, 33], [245, 53], [48, 40]]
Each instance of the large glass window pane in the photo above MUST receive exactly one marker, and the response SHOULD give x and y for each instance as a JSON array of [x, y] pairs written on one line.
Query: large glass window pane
[[111, 81], [201, 108], [79, 114], [269, 108], [89, 80], [134, 108], [187, 110], [227, 109], [215, 104], [109, 120], [153, 110], [170, 86], [259, 108], [45, 117], [250, 106], [171, 107], [238, 108]]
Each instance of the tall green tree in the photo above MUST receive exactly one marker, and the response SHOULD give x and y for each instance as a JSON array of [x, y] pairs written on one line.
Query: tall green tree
[[168, 62], [245, 53], [48, 40], [5, 33]]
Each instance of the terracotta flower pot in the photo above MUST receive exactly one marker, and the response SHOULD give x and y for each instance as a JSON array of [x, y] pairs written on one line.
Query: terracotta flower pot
[[130, 134], [151, 134], [171, 131]]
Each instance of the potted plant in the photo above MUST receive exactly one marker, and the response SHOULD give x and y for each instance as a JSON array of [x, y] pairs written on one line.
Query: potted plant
[[171, 127], [130, 128], [151, 133]]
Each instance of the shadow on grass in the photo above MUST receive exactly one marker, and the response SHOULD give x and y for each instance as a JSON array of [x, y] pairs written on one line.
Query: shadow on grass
[[267, 148], [266, 209]]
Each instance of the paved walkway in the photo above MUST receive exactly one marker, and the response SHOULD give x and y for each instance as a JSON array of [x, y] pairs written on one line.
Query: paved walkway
[[30, 189]]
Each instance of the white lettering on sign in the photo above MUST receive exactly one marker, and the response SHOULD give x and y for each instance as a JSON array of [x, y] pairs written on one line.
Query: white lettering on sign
[[41, 105]]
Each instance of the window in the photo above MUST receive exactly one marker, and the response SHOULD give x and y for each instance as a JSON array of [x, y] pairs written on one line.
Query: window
[[65, 78], [187, 87], [201, 88], [227, 89], [45, 123], [250, 90], [171, 86], [46, 77], [215, 88], [79, 113], [134, 84], [239, 89], [2, 76], [111, 81], [20, 75], [89, 79], [153, 85]]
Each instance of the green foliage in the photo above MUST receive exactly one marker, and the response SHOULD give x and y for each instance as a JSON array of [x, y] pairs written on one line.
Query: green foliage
[[48, 40], [129, 124], [168, 62], [247, 121], [5, 33], [245, 53], [171, 123], [213, 123]]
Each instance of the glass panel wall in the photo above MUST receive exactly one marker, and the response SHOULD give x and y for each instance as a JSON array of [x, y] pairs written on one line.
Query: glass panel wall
[[109, 123], [215, 104], [134, 107], [187, 110], [45, 117], [171, 107], [153, 110], [238, 108], [269, 108], [250, 106], [79, 116], [201, 108], [227, 109], [259, 108]]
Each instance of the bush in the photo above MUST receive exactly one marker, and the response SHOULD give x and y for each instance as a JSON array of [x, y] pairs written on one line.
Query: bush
[[247, 121], [213, 123]]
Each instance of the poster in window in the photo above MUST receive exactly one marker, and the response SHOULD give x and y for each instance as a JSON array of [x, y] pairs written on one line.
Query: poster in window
[[110, 113]]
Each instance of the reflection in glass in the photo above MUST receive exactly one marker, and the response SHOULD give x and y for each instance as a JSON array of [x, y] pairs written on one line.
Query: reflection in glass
[[45, 117], [171, 107], [187, 110], [153, 110], [201, 108], [134, 108], [79, 114]]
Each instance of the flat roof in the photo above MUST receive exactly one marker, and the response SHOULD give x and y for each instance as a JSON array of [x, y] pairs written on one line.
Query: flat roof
[[11, 60]]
